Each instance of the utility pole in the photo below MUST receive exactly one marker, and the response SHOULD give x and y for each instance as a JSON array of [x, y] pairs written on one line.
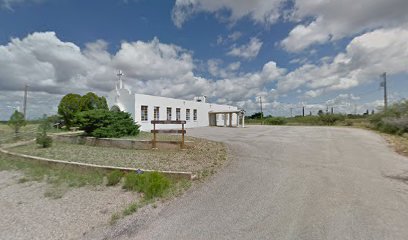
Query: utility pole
[[332, 111], [303, 111], [384, 85], [25, 102], [260, 101]]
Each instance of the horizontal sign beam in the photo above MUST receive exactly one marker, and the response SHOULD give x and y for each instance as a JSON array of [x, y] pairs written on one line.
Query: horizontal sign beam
[[168, 122], [168, 131]]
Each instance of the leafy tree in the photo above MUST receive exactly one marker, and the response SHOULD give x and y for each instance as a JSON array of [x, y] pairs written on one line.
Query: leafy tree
[[42, 138], [91, 101], [68, 107], [256, 115], [17, 121], [103, 123]]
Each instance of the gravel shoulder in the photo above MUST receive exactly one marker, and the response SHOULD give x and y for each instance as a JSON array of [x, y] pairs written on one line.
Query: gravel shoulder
[[28, 214]]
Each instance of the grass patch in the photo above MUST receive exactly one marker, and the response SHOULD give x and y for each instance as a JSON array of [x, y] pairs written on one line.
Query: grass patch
[[114, 177], [60, 177], [152, 184], [132, 208], [27, 132], [56, 191], [114, 218]]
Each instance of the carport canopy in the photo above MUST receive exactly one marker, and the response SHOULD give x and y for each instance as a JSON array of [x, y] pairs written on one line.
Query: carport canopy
[[240, 116]]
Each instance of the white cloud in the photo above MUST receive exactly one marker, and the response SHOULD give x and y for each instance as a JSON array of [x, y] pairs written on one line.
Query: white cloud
[[10, 3], [232, 37], [53, 67], [333, 20], [247, 51], [216, 70], [366, 56], [261, 11]]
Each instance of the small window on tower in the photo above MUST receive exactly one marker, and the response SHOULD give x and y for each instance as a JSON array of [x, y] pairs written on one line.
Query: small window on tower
[[187, 114]]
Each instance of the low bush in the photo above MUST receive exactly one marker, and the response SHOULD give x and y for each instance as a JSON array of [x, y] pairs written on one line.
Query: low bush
[[151, 184], [102, 123], [43, 139], [275, 121], [331, 119], [306, 120], [114, 177]]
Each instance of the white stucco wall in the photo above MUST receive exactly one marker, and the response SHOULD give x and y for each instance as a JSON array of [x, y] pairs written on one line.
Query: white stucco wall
[[132, 103], [163, 103]]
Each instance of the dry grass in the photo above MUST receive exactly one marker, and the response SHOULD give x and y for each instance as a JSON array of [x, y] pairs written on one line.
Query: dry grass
[[399, 143], [203, 156], [27, 132]]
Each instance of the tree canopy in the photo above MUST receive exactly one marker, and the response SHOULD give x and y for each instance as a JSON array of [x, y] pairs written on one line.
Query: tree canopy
[[17, 121], [68, 107], [71, 104], [91, 101]]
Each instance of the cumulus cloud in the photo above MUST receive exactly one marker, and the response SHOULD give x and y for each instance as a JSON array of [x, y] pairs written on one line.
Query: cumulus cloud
[[216, 70], [247, 51], [54, 67], [365, 57], [333, 20], [261, 11]]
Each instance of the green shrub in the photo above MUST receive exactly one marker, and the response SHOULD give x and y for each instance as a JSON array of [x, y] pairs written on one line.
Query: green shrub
[[17, 120], [114, 177], [306, 120], [103, 123], [42, 138], [275, 121], [331, 119], [348, 122], [151, 184]]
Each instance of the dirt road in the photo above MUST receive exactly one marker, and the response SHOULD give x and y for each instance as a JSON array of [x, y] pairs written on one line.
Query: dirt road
[[291, 183]]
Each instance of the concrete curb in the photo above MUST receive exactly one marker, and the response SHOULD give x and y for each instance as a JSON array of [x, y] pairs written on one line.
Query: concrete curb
[[185, 175]]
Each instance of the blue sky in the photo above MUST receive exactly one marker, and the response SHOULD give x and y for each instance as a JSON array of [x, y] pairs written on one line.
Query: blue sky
[[292, 53]]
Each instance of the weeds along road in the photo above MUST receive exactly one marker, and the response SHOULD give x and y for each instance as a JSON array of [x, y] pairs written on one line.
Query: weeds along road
[[292, 183]]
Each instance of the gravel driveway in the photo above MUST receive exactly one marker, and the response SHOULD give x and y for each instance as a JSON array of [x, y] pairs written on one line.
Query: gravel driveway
[[291, 183], [27, 214]]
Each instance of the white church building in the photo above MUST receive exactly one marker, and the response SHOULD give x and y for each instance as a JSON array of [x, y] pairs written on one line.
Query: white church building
[[197, 112]]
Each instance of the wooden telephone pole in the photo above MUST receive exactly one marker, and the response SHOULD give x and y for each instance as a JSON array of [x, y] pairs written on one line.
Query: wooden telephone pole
[[25, 102], [384, 85]]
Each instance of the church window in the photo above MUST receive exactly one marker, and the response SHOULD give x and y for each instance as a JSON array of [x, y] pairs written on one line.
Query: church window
[[156, 113], [195, 114], [169, 113], [144, 113], [177, 114]]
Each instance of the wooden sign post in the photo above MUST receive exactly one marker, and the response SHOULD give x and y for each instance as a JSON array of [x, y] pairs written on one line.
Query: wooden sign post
[[155, 131]]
